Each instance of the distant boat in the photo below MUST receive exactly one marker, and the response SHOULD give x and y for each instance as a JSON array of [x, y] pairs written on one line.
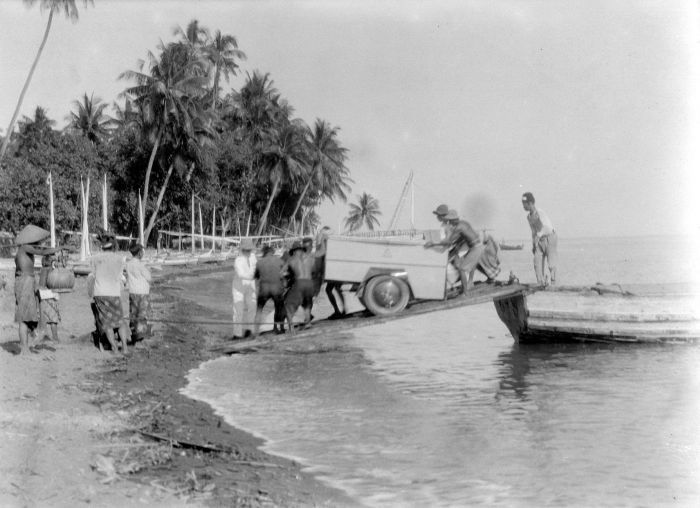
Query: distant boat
[[601, 314], [505, 246]]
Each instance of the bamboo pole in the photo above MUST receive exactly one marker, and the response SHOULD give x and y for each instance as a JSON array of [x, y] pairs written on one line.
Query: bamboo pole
[[52, 217], [193, 223], [223, 232], [247, 229], [201, 227], [213, 229], [85, 240], [105, 226], [141, 221]]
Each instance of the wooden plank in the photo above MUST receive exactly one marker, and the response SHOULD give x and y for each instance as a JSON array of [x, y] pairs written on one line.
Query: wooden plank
[[481, 294]]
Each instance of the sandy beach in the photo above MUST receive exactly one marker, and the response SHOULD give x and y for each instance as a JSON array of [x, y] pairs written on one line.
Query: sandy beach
[[82, 427]]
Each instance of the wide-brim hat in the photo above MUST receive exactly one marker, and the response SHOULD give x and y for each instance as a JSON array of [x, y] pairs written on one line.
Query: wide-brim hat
[[31, 234], [441, 210], [246, 244], [451, 215], [295, 246]]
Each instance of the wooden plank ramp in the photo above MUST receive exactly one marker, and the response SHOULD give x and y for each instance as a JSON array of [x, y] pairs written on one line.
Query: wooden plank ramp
[[482, 293]]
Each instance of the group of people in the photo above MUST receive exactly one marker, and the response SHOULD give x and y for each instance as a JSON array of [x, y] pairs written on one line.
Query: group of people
[[112, 274], [291, 281], [469, 251]]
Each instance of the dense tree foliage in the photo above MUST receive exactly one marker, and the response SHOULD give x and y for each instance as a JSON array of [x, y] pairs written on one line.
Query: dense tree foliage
[[175, 133]]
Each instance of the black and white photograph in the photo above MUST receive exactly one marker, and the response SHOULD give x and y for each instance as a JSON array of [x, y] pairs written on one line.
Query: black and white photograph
[[335, 253]]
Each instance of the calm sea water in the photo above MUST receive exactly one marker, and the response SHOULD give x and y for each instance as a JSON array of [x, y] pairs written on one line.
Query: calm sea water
[[445, 410]]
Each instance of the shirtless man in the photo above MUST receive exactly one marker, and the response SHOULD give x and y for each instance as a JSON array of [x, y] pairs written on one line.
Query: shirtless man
[[302, 266]]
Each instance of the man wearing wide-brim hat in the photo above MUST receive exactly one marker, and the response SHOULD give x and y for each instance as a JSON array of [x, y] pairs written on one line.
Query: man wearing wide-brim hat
[[465, 247], [243, 290], [27, 308]]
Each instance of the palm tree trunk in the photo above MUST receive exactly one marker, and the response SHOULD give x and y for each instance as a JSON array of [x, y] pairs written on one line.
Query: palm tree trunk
[[152, 220], [216, 88], [8, 133], [303, 193], [263, 219], [147, 181]]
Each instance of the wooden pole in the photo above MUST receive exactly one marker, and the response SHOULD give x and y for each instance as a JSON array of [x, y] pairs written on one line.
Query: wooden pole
[[141, 221], [247, 229], [223, 232], [201, 227], [85, 240], [52, 217], [193, 223], [213, 229], [104, 204]]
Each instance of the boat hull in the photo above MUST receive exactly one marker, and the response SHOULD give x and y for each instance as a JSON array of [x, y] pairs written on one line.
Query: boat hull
[[601, 315]]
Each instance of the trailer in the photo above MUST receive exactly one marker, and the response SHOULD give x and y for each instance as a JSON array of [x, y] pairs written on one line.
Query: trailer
[[387, 273]]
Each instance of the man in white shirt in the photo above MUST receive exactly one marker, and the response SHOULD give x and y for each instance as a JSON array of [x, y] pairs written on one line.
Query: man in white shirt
[[108, 268], [544, 241], [244, 294]]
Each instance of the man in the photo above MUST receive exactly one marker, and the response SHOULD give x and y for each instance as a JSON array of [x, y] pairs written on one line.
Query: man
[[109, 268], [138, 276], [27, 311], [332, 286], [301, 264], [268, 272], [544, 241], [244, 294], [465, 247]]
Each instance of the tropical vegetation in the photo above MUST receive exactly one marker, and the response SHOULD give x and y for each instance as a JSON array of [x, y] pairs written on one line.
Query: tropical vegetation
[[363, 213], [177, 131]]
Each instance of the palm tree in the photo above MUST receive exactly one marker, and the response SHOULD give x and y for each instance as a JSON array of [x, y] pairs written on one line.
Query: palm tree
[[71, 11], [284, 158], [90, 119], [32, 131], [364, 212], [327, 169], [222, 51], [167, 95]]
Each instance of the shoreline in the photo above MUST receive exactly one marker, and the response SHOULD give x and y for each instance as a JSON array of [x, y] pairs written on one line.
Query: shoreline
[[146, 440]]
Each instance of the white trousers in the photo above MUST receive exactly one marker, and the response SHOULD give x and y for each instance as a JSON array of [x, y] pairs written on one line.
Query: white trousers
[[244, 306]]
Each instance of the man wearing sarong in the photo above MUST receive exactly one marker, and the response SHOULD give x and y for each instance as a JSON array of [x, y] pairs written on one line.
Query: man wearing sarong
[[268, 272], [244, 291], [544, 241], [27, 304], [301, 264], [138, 276], [109, 270], [465, 248]]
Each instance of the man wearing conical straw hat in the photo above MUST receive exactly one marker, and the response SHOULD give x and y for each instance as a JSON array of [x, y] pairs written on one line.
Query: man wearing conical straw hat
[[28, 243]]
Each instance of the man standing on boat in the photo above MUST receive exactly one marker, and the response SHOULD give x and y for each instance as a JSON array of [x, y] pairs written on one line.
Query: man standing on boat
[[544, 240]]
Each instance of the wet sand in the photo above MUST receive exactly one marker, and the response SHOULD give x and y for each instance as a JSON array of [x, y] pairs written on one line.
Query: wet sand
[[84, 427]]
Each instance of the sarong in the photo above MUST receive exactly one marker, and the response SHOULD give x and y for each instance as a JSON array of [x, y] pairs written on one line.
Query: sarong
[[27, 310], [489, 264], [109, 312], [50, 312], [302, 293], [276, 293], [139, 310], [470, 260]]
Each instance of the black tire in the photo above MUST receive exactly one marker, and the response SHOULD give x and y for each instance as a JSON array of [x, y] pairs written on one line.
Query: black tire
[[385, 295]]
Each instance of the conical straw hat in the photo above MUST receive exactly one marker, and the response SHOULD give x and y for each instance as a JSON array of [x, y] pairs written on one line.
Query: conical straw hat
[[31, 234]]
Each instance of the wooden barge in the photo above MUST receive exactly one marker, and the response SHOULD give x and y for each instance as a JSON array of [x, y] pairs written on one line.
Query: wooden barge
[[602, 314]]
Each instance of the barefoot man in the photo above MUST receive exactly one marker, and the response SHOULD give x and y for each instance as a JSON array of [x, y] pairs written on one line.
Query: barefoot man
[[27, 304]]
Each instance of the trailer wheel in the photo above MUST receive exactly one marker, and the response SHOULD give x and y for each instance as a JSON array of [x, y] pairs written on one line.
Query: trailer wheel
[[385, 295]]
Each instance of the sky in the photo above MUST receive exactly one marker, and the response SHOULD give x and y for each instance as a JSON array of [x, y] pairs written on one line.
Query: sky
[[591, 105]]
